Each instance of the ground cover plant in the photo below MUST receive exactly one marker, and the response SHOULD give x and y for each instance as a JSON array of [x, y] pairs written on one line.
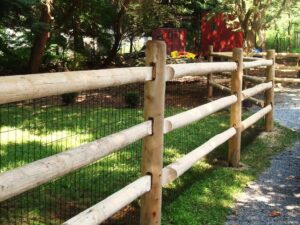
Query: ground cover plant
[[203, 195]]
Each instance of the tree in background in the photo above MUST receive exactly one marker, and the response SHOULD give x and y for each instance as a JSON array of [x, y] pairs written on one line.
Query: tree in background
[[253, 18], [41, 29]]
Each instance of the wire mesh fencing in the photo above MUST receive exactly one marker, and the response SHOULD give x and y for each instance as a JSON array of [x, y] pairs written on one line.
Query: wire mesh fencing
[[34, 129]]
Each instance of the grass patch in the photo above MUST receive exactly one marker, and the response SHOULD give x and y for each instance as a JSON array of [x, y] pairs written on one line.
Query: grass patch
[[209, 197], [203, 195]]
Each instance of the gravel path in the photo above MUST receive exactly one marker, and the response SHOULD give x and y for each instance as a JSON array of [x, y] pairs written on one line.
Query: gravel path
[[275, 198]]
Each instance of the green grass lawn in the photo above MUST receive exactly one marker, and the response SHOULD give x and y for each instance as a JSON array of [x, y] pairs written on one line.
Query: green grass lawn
[[203, 195]]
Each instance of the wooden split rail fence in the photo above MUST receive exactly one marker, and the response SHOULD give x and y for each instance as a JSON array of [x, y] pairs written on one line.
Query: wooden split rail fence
[[223, 56], [154, 176]]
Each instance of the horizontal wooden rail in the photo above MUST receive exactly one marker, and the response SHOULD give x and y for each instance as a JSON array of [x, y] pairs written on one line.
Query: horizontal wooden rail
[[258, 63], [255, 55], [255, 101], [251, 58], [182, 119], [287, 80], [253, 79], [255, 117], [255, 90], [228, 55], [278, 55], [222, 54], [220, 87], [176, 169], [197, 69], [24, 87], [109, 206], [29, 176]]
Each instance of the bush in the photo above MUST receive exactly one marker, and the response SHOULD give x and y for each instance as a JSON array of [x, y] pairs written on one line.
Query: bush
[[69, 98], [132, 99]]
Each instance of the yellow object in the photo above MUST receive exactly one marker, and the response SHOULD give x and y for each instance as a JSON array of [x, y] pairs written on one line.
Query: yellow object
[[174, 54], [190, 55], [177, 55]]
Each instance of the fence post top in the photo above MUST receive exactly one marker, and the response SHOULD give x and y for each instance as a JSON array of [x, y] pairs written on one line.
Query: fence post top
[[270, 53], [237, 51], [155, 42]]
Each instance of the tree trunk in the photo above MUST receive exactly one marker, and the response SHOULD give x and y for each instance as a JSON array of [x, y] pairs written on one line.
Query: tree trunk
[[41, 39], [118, 30], [131, 44], [262, 39], [249, 40], [114, 50], [289, 32]]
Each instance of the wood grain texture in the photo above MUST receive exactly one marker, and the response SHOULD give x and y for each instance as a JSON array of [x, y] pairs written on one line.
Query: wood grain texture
[[234, 149], [152, 153]]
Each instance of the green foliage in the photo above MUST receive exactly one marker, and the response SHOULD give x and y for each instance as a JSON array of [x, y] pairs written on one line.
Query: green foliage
[[132, 99]]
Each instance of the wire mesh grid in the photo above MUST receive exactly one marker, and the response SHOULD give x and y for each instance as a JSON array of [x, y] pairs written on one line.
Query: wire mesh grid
[[35, 129]]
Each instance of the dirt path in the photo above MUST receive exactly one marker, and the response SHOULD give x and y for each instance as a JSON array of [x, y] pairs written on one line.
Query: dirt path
[[275, 198]]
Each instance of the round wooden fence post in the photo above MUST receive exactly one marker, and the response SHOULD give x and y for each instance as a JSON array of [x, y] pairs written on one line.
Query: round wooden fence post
[[152, 153], [209, 76], [236, 109], [270, 73]]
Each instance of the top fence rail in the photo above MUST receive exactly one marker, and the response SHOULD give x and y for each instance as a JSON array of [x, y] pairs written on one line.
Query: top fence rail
[[26, 87]]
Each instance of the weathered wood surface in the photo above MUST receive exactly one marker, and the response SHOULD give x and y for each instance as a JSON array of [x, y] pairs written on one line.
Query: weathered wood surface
[[195, 114], [34, 174], [270, 72], [221, 87], [210, 75], [222, 54], [109, 206], [255, 101], [24, 87], [198, 69], [176, 169], [152, 152], [255, 117], [253, 79], [228, 55], [256, 90], [258, 63], [234, 148], [287, 80], [279, 54]]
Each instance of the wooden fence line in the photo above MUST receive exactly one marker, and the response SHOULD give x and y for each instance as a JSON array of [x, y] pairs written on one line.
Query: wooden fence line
[[24, 178], [255, 117], [197, 69], [255, 90], [253, 79], [155, 75], [177, 168], [112, 204], [195, 114], [257, 63], [25, 87]]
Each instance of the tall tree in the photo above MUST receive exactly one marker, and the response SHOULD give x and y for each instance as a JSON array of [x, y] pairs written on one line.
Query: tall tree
[[42, 34], [118, 29], [252, 17]]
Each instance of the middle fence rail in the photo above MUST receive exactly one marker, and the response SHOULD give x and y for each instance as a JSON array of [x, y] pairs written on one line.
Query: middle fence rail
[[153, 175]]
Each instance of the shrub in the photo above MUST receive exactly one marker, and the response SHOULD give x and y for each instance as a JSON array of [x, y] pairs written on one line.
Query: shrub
[[69, 98], [132, 99]]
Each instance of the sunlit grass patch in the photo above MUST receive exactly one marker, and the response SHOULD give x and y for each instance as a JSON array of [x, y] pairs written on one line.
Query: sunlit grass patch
[[203, 195]]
